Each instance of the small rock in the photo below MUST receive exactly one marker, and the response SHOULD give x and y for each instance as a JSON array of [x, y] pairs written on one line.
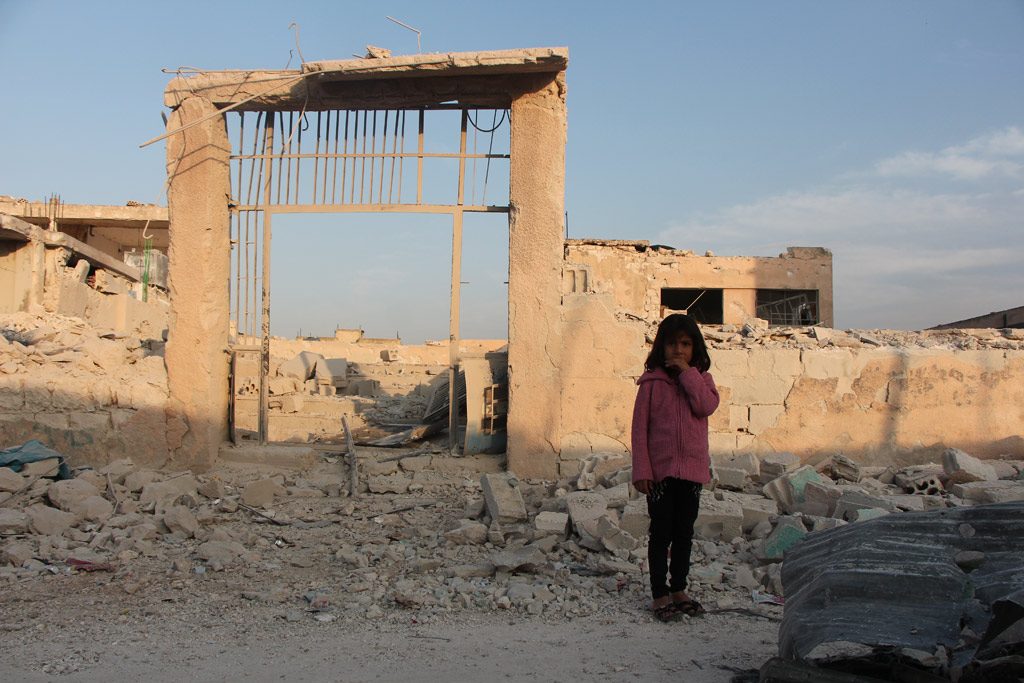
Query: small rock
[[261, 493], [969, 560]]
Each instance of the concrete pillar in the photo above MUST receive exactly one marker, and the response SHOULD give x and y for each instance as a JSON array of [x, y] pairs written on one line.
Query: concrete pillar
[[198, 272], [536, 243]]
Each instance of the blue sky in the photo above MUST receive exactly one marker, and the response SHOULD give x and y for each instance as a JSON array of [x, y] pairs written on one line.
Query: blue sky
[[890, 132]]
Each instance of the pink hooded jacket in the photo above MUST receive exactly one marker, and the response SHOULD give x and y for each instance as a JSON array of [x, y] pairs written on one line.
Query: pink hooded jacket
[[670, 425]]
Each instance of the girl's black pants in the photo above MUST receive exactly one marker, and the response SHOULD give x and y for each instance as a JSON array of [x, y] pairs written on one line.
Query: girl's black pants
[[672, 506]]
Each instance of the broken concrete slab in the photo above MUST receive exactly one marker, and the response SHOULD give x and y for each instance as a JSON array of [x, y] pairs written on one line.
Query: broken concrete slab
[[962, 468], [788, 532], [731, 478], [788, 489], [391, 483], [13, 522], [718, 519], [594, 467], [999, 491], [11, 481], [64, 493], [556, 523], [169, 490], [261, 493], [504, 500], [526, 558], [48, 521], [300, 367], [467, 533], [774, 465], [585, 506]]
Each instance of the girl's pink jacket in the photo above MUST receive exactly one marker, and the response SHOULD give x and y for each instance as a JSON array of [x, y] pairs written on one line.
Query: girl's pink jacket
[[670, 425]]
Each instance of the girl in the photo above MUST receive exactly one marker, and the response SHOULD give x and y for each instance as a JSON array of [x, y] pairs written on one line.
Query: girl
[[670, 455]]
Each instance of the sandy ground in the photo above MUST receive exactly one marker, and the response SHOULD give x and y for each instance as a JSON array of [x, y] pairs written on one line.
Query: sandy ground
[[75, 629]]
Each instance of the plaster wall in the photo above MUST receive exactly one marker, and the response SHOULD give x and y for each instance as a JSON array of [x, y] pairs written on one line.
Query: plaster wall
[[885, 405], [635, 273]]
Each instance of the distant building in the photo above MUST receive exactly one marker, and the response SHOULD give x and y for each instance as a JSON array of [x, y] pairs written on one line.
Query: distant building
[[1010, 318]]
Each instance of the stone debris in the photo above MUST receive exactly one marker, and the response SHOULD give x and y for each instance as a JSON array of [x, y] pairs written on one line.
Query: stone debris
[[458, 539]]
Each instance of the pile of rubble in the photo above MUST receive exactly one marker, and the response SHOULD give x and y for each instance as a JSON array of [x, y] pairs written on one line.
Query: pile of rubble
[[757, 333], [430, 532]]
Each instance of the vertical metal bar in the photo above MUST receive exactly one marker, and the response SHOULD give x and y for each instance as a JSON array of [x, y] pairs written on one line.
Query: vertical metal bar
[[401, 160], [316, 155], [394, 150], [344, 161], [383, 151], [288, 145], [264, 416], [280, 158], [453, 318], [362, 166], [419, 164], [327, 157], [334, 172], [462, 158], [373, 154], [298, 160], [453, 333]]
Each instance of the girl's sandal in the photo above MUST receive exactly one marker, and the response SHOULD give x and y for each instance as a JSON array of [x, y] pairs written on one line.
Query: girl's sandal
[[669, 612], [690, 608]]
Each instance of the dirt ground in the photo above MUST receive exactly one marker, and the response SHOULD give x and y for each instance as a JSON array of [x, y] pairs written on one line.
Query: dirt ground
[[349, 590]]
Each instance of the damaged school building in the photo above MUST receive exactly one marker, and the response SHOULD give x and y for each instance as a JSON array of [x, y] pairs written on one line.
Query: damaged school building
[[143, 332]]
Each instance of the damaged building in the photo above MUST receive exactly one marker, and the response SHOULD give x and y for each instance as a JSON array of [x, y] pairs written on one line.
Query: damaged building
[[136, 345]]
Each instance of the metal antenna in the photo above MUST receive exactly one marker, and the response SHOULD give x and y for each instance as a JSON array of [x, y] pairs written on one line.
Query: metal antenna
[[418, 33]]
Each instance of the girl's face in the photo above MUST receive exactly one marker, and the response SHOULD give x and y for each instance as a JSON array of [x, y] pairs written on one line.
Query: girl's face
[[679, 350]]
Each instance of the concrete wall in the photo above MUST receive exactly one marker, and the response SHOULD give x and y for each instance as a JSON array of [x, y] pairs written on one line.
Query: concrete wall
[[635, 273], [879, 404]]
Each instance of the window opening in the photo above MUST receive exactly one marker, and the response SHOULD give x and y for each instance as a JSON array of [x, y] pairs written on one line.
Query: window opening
[[788, 306], [704, 305]]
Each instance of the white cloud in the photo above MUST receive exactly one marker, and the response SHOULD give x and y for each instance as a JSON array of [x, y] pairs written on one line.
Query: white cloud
[[982, 157]]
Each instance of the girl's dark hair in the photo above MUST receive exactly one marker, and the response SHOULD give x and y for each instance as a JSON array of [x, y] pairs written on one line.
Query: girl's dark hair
[[671, 326]]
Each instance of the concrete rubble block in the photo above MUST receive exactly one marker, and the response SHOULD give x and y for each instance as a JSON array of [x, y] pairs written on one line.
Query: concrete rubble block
[[527, 558], [301, 367], [595, 466], [179, 519], [15, 554], [756, 509], [854, 499], [47, 521], [169, 490], [864, 514], [552, 523], [634, 520], [1005, 469], [221, 554], [825, 523], [504, 500], [585, 506], [961, 468], [331, 371], [282, 386], [292, 403], [730, 478], [138, 479], [616, 496], [788, 532], [842, 467], [41, 468], [718, 519], [614, 539], [774, 465], [64, 493], [924, 480], [820, 499], [390, 483], [999, 491], [623, 476], [748, 462], [11, 481], [213, 489], [467, 533], [788, 489], [91, 508], [261, 493], [13, 522], [118, 470]]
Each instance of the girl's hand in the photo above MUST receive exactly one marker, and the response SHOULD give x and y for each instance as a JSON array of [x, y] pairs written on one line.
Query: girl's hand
[[643, 486]]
